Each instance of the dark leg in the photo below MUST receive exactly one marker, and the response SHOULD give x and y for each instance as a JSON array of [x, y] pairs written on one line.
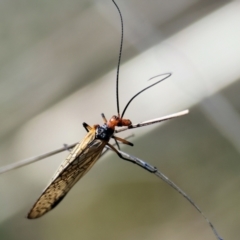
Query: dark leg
[[118, 146], [119, 154], [66, 147], [104, 118], [124, 141], [87, 127], [140, 163]]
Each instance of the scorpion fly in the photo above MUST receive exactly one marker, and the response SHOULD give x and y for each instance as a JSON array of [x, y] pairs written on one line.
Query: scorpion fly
[[85, 154]]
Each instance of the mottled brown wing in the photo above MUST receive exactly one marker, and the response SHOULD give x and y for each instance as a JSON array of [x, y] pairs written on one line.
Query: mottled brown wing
[[76, 165]]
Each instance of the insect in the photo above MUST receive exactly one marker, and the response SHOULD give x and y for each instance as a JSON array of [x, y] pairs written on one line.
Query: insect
[[85, 154]]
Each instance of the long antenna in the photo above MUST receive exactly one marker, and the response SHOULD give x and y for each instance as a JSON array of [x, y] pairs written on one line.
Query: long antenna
[[168, 75], [119, 58]]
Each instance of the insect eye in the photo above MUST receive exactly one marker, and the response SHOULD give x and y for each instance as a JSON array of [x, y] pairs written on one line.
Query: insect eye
[[114, 117]]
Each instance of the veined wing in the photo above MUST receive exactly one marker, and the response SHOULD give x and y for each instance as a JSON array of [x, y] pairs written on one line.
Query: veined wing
[[77, 164]]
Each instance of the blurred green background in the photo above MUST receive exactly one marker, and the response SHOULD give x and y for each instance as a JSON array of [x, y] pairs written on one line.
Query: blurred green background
[[57, 69]]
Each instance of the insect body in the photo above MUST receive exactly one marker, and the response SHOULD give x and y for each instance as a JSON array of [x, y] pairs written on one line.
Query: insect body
[[80, 160], [85, 154]]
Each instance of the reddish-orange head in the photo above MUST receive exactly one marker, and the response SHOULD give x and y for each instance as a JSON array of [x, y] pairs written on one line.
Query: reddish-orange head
[[116, 121]]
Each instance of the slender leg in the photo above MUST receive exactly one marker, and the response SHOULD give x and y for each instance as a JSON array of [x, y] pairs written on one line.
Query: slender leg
[[124, 141], [140, 163], [104, 118], [116, 142], [67, 148], [118, 153], [87, 127]]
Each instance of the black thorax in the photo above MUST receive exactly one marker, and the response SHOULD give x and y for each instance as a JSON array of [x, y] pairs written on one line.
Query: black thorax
[[104, 132]]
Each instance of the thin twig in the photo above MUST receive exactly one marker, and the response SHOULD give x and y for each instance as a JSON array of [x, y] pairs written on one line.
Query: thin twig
[[34, 159], [153, 121], [40, 157], [159, 174], [132, 159], [28, 161]]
